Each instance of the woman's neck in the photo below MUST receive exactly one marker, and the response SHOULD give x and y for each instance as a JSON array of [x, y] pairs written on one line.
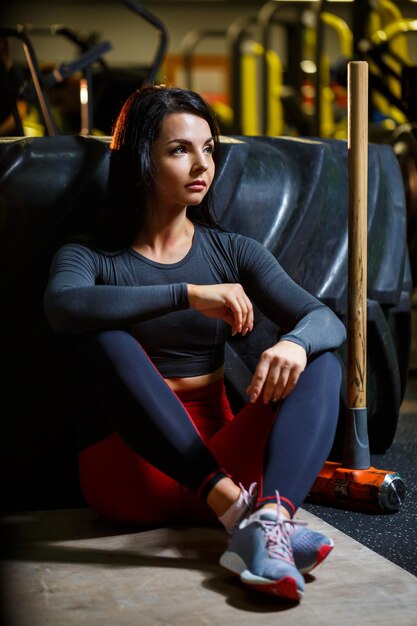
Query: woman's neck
[[165, 241]]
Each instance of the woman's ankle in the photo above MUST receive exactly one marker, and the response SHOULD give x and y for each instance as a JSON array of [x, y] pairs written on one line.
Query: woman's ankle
[[223, 495], [240, 508]]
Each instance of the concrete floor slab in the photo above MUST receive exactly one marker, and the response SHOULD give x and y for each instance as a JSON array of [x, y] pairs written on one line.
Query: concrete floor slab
[[65, 568]]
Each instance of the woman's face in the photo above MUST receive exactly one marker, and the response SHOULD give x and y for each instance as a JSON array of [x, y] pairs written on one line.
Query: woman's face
[[183, 158]]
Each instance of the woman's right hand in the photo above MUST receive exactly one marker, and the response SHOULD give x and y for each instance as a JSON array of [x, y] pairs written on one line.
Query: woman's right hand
[[228, 302]]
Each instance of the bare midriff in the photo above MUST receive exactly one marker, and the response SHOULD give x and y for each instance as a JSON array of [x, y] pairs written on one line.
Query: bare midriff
[[194, 382]]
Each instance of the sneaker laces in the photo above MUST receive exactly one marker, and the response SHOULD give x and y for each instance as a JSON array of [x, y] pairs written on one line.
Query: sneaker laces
[[277, 539], [248, 497], [278, 532], [292, 525]]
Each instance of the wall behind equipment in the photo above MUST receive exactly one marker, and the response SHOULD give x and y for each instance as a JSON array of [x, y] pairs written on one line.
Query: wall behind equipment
[[133, 40]]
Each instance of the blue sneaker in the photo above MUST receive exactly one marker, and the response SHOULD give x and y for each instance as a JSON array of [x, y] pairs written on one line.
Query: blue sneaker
[[260, 552], [309, 547]]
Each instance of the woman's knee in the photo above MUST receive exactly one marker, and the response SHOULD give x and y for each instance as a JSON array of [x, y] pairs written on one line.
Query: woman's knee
[[106, 345], [105, 339], [328, 366]]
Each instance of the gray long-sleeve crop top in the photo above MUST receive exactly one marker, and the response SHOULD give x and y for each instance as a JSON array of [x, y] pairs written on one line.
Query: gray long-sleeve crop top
[[89, 290]]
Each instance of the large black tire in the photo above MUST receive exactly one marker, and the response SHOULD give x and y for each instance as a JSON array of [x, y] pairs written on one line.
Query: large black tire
[[404, 143]]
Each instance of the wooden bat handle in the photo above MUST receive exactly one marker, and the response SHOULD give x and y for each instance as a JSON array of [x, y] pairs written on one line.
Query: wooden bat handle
[[357, 231]]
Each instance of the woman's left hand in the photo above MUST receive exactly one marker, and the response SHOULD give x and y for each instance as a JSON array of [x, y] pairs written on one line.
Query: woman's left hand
[[277, 372]]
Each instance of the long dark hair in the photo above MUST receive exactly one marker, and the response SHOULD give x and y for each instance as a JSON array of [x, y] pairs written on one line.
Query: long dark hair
[[132, 172]]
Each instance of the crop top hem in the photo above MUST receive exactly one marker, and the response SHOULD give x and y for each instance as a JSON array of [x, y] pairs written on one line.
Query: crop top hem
[[175, 368]]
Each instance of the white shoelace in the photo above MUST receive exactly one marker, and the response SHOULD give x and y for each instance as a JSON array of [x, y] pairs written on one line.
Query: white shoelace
[[248, 497], [292, 524], [278, 534], [277, 540]]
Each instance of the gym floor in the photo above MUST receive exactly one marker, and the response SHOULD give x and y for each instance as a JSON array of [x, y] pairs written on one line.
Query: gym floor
[[65, 568]]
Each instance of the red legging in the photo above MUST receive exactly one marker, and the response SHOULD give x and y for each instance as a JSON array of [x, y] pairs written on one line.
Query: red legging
[[281, 447]]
